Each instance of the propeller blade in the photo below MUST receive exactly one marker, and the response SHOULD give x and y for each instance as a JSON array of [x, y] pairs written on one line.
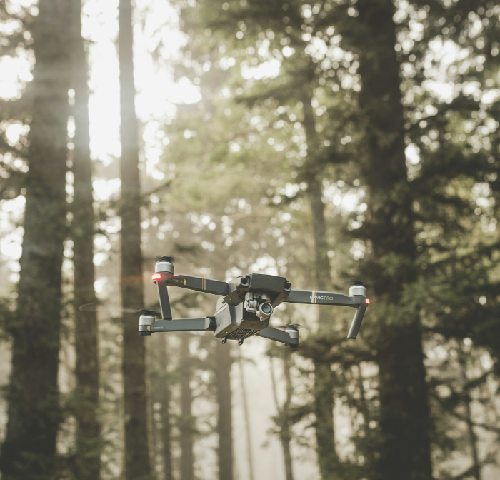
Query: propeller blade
[[143, 311], [157, 258], [93, 307], [89, 307], [290, 325], [166, 258]]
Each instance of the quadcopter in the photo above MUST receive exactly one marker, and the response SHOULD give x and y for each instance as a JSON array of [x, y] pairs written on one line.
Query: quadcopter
[[244, 307]]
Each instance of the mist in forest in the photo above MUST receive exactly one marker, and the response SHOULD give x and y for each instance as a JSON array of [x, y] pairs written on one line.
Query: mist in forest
[[331, 144]]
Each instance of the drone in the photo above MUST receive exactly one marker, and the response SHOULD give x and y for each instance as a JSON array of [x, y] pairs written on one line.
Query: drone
[[244, 307]]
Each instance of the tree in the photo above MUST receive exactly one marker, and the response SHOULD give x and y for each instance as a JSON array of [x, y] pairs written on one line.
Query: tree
[[29, 449], [186, 420], [223, 361], [88, 449], [137, 460], [165, 414], [404, 412]]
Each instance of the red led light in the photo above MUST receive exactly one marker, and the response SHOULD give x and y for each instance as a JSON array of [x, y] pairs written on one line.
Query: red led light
[[367, 301], [156, 276]]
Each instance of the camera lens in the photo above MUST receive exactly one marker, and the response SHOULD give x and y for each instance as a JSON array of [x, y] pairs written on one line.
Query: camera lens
[[265, 310]]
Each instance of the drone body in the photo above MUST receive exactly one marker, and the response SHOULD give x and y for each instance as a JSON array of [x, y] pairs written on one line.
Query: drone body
[[245, 305]]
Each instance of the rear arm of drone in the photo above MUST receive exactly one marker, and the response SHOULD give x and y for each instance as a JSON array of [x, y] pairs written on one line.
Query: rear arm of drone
[[184, 325], [148, 325], [357, 299]]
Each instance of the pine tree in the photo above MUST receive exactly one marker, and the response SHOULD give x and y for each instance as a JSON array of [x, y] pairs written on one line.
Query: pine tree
[[164, 393], [404, 412], [137, 459], [186, 426], [86, 342], [29, 449]]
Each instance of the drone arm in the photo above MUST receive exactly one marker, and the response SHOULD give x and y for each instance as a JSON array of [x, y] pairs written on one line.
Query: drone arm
[[164, 300], [323, 298], [279, 336], [360, 302], [199, 284], [184, 325], [356, 321]]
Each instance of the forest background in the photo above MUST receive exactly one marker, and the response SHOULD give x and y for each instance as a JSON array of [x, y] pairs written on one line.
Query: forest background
[[325, 142]]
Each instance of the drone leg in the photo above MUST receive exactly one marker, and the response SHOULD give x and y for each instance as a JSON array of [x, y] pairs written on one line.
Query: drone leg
[[240, 341], [224, 340], [164, 300], [356, 321]]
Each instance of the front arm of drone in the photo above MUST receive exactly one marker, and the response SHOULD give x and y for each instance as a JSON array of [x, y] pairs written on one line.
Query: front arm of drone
[[164, 275]]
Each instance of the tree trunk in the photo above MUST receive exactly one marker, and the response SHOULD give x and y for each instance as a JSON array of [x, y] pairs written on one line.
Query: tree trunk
[[283, 412], [476, 464], [223, 361], [224, 426], [186, 421], [88, 447], [287, 433], [164, 397], [323, 379], [153, 382], [404, 411], [137, 459], [246, 416], [29, 449]]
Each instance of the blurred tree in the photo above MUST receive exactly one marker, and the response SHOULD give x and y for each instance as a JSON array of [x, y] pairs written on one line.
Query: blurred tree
[[404, 448], [164, 393], [29, 449], [282, 418], [225, 449], [246, 416], [186, 420], [88, 444], [137, 459], [160, 392]]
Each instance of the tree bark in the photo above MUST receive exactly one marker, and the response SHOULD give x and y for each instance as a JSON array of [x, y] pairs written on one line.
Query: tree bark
[[186, 421], [29, 449], [164, 395], [287, 433], [283, 412], [476, 464], [404, 410], [246, 416], [137, 459], [323, 379], [223, 362], [88, 445], [153, 382]]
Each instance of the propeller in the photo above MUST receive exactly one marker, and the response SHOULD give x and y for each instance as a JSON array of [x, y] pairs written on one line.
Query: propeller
[[166, 258], [92, 307], [158, 258]]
